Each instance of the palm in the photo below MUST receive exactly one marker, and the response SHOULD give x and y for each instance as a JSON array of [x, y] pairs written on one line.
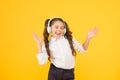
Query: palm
[[38, 40], [92, 33]]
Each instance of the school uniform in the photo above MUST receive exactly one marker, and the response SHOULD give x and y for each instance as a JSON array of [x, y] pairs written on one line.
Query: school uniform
[[62, 60]]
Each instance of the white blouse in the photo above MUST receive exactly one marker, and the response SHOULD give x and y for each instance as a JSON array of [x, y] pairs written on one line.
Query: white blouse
[[61, 53]]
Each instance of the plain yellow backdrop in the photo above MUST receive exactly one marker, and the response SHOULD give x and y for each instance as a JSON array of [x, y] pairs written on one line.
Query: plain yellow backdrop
[[19, 18]]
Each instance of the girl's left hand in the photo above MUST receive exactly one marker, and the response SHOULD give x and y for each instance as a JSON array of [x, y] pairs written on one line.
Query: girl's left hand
[[92, 33]]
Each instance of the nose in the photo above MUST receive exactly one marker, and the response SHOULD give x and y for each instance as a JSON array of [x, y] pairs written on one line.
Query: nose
[[59, 29]]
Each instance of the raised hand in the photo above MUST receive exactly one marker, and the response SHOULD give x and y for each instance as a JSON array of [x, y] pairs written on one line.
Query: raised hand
[[38, 40], [92, 33]]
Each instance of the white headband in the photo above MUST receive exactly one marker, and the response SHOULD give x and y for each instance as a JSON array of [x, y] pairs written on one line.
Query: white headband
[[51, 20]]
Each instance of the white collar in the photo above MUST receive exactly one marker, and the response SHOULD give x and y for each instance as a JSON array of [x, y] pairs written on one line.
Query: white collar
[[54, 39]]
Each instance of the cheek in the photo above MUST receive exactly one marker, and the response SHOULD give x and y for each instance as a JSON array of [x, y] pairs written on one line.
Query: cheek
[[52, 29], [62, 31]]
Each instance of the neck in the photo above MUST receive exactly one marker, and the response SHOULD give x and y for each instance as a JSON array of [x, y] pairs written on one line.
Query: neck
[[56, 37]]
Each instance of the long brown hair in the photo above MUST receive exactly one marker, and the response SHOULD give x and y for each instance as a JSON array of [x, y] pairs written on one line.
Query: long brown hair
[[67, 35]]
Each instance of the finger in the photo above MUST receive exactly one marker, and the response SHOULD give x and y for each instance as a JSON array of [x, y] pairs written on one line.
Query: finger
[[40, 39], [96, 30], [36, 38], [34, 35]]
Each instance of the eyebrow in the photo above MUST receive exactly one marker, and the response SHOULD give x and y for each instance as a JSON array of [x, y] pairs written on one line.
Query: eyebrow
[[58, 25]]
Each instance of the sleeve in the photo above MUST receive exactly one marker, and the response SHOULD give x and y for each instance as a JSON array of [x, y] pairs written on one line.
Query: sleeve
[[78, 46], [42, 57]]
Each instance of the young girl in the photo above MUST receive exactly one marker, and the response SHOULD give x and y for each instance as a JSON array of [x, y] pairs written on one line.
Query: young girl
[[59, 48]]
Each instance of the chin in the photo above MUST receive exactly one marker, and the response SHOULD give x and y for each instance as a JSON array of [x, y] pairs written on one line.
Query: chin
[[58, 36]]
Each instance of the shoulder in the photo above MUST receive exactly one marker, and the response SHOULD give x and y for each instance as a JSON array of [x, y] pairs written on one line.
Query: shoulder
[[74, 39]]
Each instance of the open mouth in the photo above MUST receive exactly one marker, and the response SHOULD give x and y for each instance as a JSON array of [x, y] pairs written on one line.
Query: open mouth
[[58, 34]]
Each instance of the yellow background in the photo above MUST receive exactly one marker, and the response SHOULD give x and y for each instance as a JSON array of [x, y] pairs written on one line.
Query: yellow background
[[19, 18]]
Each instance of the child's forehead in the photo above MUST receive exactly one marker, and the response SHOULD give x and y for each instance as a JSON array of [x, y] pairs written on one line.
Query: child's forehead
[[58, 22]]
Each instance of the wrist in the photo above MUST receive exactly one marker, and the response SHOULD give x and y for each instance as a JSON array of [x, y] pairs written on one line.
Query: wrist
[[88, 38], [39, 49], [39, 44]]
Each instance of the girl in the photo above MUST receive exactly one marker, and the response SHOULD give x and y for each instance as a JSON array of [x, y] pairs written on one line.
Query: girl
[[60, 48]]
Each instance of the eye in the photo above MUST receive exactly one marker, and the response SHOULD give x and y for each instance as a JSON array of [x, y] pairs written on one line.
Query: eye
[[62, 28]]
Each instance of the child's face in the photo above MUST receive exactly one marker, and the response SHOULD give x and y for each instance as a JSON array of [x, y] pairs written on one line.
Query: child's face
[[57, 29]]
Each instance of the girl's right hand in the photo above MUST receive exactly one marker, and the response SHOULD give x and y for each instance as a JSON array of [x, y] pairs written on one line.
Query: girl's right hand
[[38, 40]]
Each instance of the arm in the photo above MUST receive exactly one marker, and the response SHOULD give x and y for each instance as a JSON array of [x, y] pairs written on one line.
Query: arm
[[42, 54], [78, 46], [90, 35], [39, 48], [86, 43]]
